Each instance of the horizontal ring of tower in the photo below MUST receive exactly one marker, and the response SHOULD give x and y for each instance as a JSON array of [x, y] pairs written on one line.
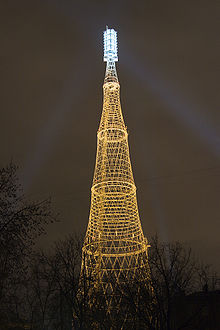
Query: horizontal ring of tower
[[112, 134], [111, 187], [129, 250], [112, 85]]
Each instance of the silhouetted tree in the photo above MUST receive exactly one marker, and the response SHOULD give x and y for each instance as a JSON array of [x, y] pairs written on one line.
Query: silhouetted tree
[[174, 272], [57, 295], [21, 222]]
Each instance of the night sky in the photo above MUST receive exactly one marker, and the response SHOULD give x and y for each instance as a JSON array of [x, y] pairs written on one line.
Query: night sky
[[52, 73]]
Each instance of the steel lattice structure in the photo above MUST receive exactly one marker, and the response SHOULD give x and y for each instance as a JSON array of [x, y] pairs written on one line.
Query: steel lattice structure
[[114, 246]]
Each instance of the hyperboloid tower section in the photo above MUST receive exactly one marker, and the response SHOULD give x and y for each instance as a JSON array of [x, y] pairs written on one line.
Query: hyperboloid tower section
[[115, 248]]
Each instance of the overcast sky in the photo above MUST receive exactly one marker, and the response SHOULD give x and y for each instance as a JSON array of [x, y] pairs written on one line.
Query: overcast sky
[[52, 73]]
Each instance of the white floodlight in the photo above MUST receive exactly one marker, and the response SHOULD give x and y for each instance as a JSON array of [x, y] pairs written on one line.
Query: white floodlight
[[110, 45]]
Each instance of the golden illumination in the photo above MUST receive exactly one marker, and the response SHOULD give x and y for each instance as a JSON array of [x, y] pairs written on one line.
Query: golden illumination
[[114, 246]]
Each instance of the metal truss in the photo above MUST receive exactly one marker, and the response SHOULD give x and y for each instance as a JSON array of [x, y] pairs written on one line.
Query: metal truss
[[115, 248]]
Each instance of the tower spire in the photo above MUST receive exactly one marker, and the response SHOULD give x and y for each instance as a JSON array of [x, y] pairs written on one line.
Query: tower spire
[[110, 54]]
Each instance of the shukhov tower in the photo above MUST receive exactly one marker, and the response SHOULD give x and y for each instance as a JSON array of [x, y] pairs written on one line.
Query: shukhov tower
[[114, 247]]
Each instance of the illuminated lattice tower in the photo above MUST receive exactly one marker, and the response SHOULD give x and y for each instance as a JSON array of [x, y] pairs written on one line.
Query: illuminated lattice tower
[[114, 246]]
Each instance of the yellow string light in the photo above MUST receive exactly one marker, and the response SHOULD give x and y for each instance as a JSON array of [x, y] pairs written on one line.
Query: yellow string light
[[114, 246]]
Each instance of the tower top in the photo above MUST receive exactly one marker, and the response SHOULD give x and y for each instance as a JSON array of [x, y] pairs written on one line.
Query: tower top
[[110, 45]]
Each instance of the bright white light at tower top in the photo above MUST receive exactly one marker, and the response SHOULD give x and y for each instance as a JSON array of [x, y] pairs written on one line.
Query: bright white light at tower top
[[110, 45]]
